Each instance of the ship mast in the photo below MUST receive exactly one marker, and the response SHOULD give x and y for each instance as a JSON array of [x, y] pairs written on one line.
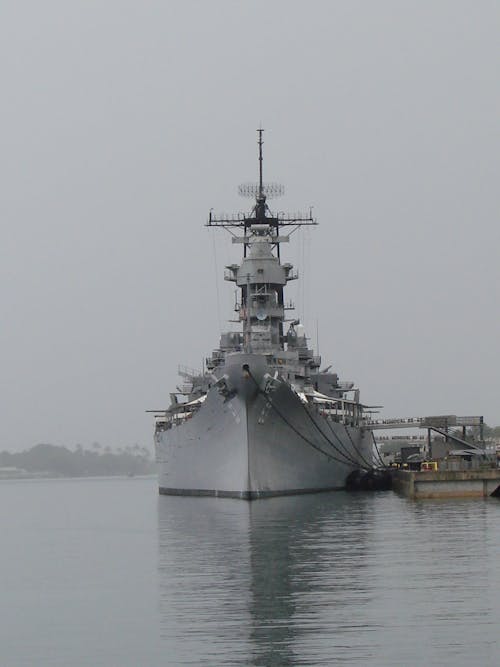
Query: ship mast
[[262, 301], [260, 142], [261, 192]]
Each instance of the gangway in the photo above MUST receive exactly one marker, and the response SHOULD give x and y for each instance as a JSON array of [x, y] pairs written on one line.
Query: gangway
[[464, 443], [438, 423], [400, 422]]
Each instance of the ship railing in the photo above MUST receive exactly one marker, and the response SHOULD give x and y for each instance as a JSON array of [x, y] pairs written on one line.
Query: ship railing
[[185, 389], [401, 421], [404, 438], [178, 413], [166, 421], [187, 372], [469, 421], [346, 386]]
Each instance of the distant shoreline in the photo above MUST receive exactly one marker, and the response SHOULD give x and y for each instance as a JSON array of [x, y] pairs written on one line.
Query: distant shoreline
[[44, 460]]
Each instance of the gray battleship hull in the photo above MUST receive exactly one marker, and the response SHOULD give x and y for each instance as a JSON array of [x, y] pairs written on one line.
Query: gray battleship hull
[[262, 418], [251, 446]]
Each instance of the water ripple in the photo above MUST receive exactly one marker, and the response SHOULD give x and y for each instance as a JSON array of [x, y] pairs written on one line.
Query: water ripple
[[328, 579]]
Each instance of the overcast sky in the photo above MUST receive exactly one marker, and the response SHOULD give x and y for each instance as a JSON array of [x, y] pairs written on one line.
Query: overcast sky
[[121, 125]]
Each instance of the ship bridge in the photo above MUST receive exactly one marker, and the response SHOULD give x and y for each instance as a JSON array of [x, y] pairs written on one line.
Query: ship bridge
[[261, 277]]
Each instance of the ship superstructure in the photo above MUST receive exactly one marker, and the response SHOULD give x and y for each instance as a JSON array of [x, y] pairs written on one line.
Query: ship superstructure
[[262, 418]]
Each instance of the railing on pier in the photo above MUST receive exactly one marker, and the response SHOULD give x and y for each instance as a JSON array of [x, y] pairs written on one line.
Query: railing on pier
[[434, 422]]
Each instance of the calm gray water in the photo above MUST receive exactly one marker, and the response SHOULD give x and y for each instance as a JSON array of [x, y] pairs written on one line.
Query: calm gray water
[[106, 573]]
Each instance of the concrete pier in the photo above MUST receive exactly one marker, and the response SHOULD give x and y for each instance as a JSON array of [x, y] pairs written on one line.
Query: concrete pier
[[447, 483]]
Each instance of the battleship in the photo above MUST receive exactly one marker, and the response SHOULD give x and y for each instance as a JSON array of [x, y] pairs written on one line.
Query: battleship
[[262, 418]]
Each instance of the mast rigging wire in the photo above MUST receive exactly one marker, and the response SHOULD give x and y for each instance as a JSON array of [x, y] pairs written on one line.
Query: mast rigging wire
[[219, 319], [378, 451], [362, 458]]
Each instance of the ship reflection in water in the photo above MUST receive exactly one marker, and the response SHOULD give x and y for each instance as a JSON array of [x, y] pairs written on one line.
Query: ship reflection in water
[[327, 579], [249, 583]]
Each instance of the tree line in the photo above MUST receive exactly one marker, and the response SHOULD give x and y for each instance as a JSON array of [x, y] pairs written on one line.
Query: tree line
[[491, 431], [80, 462]]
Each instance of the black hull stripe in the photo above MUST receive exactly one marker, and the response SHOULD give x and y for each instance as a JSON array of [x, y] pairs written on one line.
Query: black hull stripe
[[242, 495]]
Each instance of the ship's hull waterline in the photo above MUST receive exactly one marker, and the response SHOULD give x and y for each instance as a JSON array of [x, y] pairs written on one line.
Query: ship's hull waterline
[[253, 445]]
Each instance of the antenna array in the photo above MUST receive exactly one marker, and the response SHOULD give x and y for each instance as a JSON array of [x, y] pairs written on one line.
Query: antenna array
[[270, 190]]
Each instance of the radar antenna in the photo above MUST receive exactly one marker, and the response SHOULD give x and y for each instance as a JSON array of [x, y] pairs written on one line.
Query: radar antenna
[[261, 190], [253, 190], [260, 213]]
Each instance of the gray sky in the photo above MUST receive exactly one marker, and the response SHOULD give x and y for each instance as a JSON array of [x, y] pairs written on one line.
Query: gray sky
[[123, 123]]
